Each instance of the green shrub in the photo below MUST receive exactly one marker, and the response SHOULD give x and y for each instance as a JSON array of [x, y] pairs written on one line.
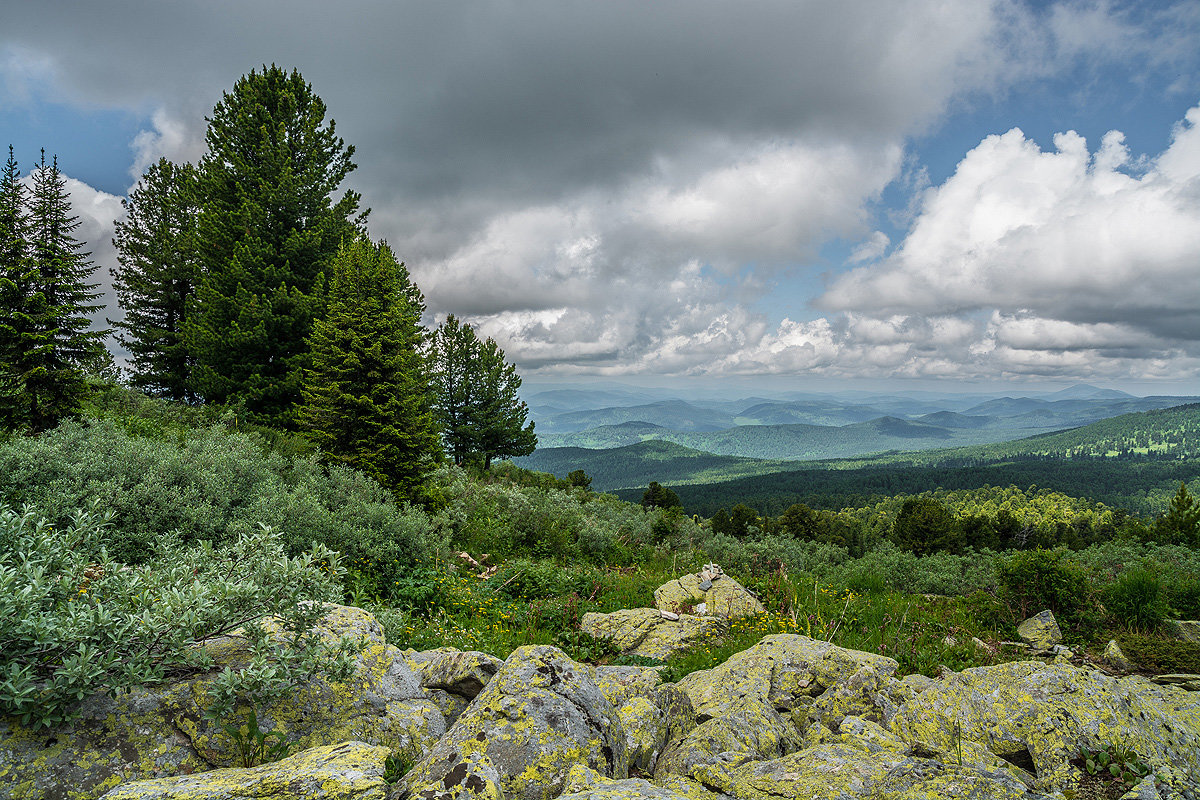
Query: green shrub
[[1136, 599], [1183, 595], [73, 621], [215, 487], [1033, 580]]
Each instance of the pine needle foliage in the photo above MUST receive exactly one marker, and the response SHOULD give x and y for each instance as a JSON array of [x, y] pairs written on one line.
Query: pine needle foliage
[[367, 399], [44, 327], [482, 416], [268, 227], [156, 278]]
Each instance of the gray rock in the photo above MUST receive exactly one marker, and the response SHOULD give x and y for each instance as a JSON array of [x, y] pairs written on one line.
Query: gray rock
[[538, 716], [334, 772]]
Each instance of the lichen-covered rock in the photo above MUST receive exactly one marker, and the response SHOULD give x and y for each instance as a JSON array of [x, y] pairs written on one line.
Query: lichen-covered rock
[[459, 776], [646, 632], [165, 731], [688, 788], [778, 671], [1050, 712], [653, 714], [459, 672], [347, 771], [749, 731], [842, 771], [1116, 657], [587, 784], [538, 716], [867, 693], [1041, 631], [725, 597]]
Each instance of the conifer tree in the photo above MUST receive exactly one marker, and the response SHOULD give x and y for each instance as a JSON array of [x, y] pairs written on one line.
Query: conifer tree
[[367, 399], [14, 292], [267, 229], [476, 397], [156, 278], [47, 341]]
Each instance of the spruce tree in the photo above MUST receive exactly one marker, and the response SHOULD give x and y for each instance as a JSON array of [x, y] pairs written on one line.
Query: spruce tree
[[452, 353], [267, 230], [46, 336], [15, 299], [477, 404], [367, 399], [156, 278]]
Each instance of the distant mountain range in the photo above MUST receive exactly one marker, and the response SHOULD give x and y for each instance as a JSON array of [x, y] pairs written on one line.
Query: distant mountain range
[[1173, 432], [828, 427]]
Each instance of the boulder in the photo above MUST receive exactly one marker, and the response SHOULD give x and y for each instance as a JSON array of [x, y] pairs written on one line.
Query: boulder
[[647, 632], [165, 731], [1116, 657], [452, 678], [334, 772], [461, 775], [1040, 632], [653, 714], [587, 784], [778, 671], [848, 770], [749, 731], [538, 716], [463, 673], [1047, 712], [724, 596]]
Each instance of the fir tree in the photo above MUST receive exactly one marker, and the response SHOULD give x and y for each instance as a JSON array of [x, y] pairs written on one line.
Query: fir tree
[[476, 397], [46, 334], [1181, 523], [367, 400], [156, 278], [15, 281], [452, 351], [266, 232]]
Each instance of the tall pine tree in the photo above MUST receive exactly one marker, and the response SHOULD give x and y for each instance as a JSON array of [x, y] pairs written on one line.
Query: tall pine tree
[[15, 294], [156, 278], [367, 399], [45, 331], [477, 404], [267, 229]]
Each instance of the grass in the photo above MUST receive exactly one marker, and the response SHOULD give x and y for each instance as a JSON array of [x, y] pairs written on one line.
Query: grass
[[466, 612]]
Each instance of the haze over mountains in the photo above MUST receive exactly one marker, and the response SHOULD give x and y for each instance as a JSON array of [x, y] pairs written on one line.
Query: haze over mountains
[[805, 426]]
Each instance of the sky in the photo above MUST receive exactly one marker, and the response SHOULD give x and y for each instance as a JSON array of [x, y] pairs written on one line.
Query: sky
[[901, 193]]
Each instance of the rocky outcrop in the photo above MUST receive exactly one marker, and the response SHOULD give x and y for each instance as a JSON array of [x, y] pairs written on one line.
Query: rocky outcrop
[[791, 717], [720, 594], [647, 632], [165, 731], [349, 770], [652, 714], [538, 716], [1047, 712], [452, 678], [779, 671]]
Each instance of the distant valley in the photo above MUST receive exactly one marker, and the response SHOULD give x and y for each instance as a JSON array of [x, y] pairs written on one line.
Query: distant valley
[[814, 427]]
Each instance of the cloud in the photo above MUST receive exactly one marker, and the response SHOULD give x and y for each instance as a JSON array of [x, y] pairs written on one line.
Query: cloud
[[1066, 234], [611, 187]]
